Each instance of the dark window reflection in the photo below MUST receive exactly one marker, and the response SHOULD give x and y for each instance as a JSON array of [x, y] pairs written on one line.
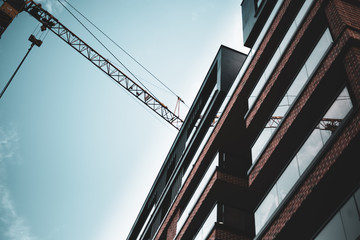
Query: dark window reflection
[[345, 224], [333, 231]]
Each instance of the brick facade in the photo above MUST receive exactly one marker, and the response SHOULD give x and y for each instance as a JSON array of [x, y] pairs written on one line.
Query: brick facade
[[341, 17], [236, 131]]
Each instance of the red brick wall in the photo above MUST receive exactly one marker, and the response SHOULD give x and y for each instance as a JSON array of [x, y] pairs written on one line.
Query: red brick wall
[[342, 14], [169, 225], [171, 231], [220, 234], [218, 176], [352, 67]]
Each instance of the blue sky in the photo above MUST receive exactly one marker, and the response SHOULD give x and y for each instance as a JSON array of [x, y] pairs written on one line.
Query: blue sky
[[78, 155]]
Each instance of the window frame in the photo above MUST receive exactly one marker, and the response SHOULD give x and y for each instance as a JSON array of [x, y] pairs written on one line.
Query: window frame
[[309, 168], [337, 210], [308, 81]]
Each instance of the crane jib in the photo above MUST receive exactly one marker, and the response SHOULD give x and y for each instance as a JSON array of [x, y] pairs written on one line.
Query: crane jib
[[50, 22]]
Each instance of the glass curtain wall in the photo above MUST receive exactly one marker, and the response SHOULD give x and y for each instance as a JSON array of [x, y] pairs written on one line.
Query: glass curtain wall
[[207, 225], [345, 224], [196, 195], [278, 53], [293, 92], [301, 161]]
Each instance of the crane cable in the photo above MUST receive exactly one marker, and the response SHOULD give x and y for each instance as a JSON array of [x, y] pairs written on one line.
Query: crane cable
[[107, 49], [27, 53], [12, 77], [37, 30], [128, 54]]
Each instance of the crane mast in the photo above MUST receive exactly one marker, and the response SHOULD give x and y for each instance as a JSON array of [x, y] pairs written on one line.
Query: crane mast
[[50, 22]]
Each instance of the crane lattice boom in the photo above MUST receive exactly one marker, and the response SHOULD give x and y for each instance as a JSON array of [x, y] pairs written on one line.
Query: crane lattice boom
[[50, 22]]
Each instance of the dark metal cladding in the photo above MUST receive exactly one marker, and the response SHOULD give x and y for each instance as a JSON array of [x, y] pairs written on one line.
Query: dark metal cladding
[[254, 16]]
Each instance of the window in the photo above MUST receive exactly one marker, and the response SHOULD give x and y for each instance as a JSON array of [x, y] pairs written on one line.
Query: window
[[293, 92], [222, 214], [278, 53], [196, 195], [146, 222], [196, 156], [207, 225], [333, 230], [302, 160], [266, 209], [287, 180], [345, 225], [258, 3], [202, 114]]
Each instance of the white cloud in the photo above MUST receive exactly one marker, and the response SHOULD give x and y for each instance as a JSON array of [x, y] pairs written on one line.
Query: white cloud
[[12, 226], [8, 145]]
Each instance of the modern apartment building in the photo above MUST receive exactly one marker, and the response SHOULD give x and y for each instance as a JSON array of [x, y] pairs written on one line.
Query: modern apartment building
[[270, 148]]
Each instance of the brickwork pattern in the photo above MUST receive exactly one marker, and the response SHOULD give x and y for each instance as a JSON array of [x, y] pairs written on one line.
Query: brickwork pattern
[[170, 222], [197, 206], [231, 179], [342, 14], [352, 67], [171, 231], [218, 176], [220, 234], [335, 10], [175, 207]]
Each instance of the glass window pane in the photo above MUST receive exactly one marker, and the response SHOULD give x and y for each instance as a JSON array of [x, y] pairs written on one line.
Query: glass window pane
[[208, 225], [309, 150], [318, 52], [302, 12], [292, 93], [287, 179], [282, 108], [287, 37], [341, 107], [350, 217], [298, 83], [251, 100], [255, 93], [270, 67], [325, 135], [261, 142], [266, 208], [333, 230], [357, 199], [258, 3]]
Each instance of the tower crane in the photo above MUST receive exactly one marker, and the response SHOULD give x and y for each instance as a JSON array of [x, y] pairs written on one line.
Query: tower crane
[[10, 9]]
